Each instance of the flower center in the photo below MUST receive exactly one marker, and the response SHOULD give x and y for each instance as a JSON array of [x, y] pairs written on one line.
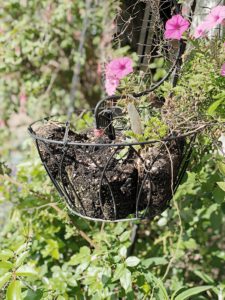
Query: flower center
[[176, 27], [122, 67]]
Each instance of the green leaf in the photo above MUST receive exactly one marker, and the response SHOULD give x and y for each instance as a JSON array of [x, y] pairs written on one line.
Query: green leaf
[[162, 290], [221, 185], [193, 291], [20, 259], [206, 278], [123, 252], [135, 119], [154, 261], [118, 272], [179, 289], [132, 261], [83, 256], [125, 236], [125, 279], [6, 254], [21, 249], [213, 107], [6, 265], [5, 278], [221, 167], [26, 270], [33, 295], [14, 291]]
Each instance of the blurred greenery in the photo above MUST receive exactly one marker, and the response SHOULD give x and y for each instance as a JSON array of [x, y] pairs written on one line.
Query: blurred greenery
[[46, 253]]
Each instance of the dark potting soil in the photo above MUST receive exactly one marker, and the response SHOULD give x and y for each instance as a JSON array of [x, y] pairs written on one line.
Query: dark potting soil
[[99, 184]]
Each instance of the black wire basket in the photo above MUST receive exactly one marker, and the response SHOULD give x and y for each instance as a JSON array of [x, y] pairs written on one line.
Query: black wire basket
[[102, 176], [106, 180]]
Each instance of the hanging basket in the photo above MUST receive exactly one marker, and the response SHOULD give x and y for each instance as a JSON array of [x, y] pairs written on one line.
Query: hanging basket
[[104, 177], [107, 180]]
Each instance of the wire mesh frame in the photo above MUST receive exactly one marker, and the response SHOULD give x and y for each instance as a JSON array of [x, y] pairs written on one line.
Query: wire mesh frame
[[60, 182], [69, 191]]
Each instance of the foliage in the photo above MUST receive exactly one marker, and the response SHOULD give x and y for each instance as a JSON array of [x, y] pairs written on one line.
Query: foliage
[[45, 252], [38, 49]]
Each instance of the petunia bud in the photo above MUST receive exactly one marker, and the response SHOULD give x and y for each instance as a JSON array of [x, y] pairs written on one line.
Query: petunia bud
[[98, 132]]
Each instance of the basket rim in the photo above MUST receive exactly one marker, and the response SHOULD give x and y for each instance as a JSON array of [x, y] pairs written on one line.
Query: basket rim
[[33, 134]]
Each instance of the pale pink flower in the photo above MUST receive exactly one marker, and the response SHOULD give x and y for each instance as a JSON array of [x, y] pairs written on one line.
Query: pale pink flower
[[201, 30], [98, 132], [223, 70], [111, 85], [119, 68], [116, 70], [23, 100], [175, 27], [216, 16], [2, 124]]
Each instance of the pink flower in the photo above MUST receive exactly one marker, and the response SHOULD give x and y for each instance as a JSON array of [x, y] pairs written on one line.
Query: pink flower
[[223, 70], [216, 16], [115, 71], [98, 132], [23, 100], [111, 85], [175, 27], [201, 30], [119, 68], [2, 123]]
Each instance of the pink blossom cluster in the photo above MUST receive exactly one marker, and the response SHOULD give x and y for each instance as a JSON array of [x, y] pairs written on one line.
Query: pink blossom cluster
[[116, 70], [177, 25], [213, 19]]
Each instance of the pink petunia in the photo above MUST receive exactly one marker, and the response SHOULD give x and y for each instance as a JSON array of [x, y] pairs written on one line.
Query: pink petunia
[[23, 100], [201, 30], [223, 70], [98, 132], [2, 123], [175, 27], [215, 17], [115, 71], [119, 68], [111, 85]]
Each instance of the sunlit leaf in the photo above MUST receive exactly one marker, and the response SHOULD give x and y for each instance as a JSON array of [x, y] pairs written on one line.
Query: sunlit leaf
[[14, 291], [154, 261], [213, 107], [205, 277], [192, 292], [6, 254], [221, 167], [132, 261], [5, 278], [125, 279], [6, 265], [118, 272], [221, 185], [26, 270]]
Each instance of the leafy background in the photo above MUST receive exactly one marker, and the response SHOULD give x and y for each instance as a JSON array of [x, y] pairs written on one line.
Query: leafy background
[[45, 253]]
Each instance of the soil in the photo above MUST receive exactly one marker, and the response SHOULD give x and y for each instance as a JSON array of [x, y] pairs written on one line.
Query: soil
[[99, 184]]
